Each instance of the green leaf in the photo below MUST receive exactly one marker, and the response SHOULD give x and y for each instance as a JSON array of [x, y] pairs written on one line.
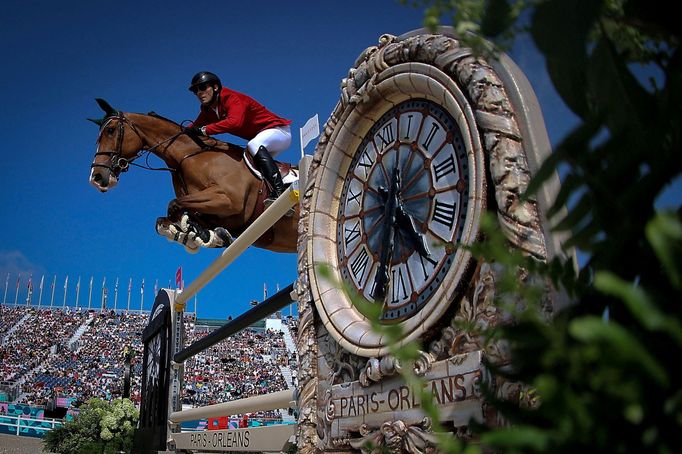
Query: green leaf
[[664, 233], [526, 437], [594, 330], [639, 303]]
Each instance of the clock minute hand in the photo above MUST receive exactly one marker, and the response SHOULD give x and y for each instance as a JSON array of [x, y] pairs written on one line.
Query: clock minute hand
[[406, 222], [387, 236]]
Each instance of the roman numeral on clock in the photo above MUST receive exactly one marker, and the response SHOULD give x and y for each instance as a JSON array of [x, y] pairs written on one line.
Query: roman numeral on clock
[[445, 168], [353, 197], [359, 265], [398, 287], [386, 135], [351, 234], [430, 262], [429, 138], [366, 162], [444, 213]]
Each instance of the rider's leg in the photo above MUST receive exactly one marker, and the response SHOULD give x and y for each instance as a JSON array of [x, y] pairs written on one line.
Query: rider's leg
[[266, 166], [263, 147]]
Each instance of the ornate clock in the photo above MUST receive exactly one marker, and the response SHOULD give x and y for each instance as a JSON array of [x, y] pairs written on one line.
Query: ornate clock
[[402, 208], [398, 191]]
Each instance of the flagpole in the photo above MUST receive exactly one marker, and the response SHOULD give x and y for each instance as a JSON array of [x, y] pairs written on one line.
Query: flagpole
[[54, 284], [66, 287], [130, 288], [29, 290], [142, 295], [90, 292], [4, 299], [103, 299], [40, 297], [16, 295], [115, 294], [78, 290]]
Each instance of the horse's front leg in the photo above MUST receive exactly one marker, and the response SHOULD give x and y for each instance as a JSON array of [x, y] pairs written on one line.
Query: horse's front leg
[[212, 200]]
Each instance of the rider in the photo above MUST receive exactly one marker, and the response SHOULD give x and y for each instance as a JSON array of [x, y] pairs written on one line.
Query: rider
[[227, 111]]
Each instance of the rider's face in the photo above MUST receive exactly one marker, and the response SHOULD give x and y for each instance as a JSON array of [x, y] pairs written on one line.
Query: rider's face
[[205, 94]]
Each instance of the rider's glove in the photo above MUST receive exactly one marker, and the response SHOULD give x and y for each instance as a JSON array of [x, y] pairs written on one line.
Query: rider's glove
[[194, 130]]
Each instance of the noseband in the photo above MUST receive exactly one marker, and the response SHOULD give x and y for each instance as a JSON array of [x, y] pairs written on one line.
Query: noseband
[[117, 163]]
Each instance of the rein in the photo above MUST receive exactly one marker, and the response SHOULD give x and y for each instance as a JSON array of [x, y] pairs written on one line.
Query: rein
[[118, 164]]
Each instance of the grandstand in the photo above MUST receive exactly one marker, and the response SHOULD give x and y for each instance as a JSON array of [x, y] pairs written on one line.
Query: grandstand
[[54, 358]]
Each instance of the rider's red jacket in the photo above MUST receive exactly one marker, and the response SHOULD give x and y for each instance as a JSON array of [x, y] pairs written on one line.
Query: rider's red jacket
[[239, 115]]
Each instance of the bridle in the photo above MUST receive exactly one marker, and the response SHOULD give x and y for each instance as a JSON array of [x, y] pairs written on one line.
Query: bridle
[[117, 163]]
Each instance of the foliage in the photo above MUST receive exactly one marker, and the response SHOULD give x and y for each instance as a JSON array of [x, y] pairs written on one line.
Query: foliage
[[100, 426], [603, 369]]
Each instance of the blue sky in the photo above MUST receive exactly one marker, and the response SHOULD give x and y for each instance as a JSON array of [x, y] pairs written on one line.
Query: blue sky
[[140, 56]]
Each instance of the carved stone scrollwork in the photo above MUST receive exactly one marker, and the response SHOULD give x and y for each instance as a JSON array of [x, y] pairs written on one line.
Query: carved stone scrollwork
[[416, 66], [397, 437], [377, 369]]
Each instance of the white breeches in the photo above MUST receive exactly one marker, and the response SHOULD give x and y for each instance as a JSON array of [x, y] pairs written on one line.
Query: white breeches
[[275, 140]]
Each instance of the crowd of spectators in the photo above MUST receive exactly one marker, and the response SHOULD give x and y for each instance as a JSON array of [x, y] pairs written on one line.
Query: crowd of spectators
[[244, 365], [40, 356]]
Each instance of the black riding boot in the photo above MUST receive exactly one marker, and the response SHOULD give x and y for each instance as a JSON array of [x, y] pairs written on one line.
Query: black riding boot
[[267, 167]]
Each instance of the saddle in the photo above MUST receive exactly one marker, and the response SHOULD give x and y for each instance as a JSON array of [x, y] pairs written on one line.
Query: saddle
[[289, 175]]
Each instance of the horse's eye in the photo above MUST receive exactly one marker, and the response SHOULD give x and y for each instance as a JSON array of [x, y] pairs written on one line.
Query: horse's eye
[[110, 130]]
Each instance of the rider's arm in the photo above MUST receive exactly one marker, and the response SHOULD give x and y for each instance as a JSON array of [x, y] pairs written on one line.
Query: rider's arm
[[233, 123]]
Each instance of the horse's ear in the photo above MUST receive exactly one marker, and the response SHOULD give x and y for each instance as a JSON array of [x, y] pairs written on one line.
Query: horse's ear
[[106, 107], [98, 122]]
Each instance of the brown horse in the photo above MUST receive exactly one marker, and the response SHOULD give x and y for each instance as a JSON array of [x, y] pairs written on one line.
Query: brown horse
[[214, 189]]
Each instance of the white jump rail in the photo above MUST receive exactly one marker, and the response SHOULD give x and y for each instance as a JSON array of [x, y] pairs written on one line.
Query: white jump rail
[[272, 401], [264, 402]]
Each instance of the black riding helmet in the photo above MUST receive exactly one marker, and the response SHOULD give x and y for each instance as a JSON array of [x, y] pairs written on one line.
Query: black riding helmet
[[205, 77]]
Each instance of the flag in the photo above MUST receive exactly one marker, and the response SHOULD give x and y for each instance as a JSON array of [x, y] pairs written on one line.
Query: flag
[[156, 287], [66, 282], [309, 131], [142, 287], [130, 285], [54, 282], [42, 279], [78, 284], [178, 278], [104, 282], [18, 279], [116, 285], [29, 286], [265, 291]]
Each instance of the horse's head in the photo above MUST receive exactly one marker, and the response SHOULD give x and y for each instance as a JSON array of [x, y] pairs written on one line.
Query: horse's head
[[118, 144]]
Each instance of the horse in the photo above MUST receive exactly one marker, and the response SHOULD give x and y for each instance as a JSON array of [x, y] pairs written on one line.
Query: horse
[[216, 194]]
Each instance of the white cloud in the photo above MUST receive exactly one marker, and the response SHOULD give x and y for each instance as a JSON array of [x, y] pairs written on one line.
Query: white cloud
[[15, 262]]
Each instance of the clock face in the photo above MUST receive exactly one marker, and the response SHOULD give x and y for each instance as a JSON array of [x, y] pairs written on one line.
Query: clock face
[[402, 208], [154, 359]]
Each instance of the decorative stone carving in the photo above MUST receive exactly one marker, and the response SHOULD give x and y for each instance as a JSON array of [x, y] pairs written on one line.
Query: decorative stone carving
[[327, 363]]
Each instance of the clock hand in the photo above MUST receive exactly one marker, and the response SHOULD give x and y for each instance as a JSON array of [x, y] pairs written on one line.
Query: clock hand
[[387, 237], [406, 222]]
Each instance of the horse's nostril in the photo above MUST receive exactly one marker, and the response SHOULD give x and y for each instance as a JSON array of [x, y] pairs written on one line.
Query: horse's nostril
[[97, 177], [104, 184]]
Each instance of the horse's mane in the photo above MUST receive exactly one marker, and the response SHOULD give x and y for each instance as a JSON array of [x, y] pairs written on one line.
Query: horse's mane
[[160, 117], [214, 143]]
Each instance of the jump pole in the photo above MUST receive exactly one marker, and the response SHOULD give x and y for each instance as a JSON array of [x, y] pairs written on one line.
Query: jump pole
[[264, 402]]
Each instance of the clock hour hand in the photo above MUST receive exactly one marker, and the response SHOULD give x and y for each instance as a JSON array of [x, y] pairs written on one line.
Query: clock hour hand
[[387, 236]]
